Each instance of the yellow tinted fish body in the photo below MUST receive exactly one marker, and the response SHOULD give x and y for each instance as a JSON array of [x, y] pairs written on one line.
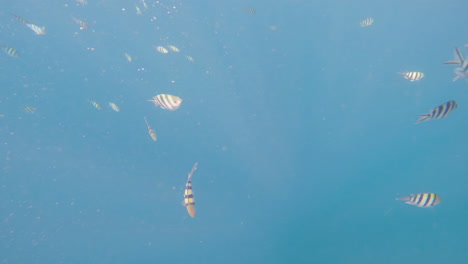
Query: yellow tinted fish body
[[30, 109], [114, 107], [422, 199], [95, 104], [151, 131], [189, 200], [412, 76]]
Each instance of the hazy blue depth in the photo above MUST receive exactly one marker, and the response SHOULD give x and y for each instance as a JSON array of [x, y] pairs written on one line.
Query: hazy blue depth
[[302, 127]]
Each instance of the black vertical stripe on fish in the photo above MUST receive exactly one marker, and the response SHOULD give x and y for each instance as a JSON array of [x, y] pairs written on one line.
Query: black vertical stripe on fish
[[430, 200], [419, 198]]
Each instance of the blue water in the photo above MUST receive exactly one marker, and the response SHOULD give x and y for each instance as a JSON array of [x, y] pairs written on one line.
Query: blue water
[[301, 126]]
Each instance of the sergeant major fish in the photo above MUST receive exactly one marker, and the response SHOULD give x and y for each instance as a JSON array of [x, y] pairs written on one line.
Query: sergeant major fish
[[151, 131], [167, 101], [438, 112], [189, 200], [422, 199], [412, 76]]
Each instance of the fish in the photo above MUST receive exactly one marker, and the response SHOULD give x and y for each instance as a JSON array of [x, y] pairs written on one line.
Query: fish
[[10, 51], [161, 49], [151, 131], [190, 58], [422, 199], [412, 76], [438, 112], [30, 109], [83, 25], [167, 101], [251, 10], [95, 104], [173, 48], [461, 72], [138, 10], [38, 30], [144, 4], [367, 22], [128, 57], [114, 107], [189, 200]]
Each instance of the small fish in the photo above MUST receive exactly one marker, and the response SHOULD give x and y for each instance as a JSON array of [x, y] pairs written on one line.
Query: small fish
[[151, 131], [438, 112], [161, 49], [190, 58], [167, 101], [30, 109], [189, 200], [10, 51], [422, 199], [38, 30], [83, 25], [95, 104], [367, 22], [128, 57], [114, 106], [138, 10], [251, 10], [412, 76], [144, 4], [173, 48]]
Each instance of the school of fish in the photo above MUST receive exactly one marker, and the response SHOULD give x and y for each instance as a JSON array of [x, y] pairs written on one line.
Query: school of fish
[[173, 102]]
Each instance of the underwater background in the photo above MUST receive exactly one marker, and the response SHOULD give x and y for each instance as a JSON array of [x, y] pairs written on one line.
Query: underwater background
[[302, 128]]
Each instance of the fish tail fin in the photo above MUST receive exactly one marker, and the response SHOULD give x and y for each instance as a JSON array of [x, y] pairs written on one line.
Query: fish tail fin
[[422, 118], [403, 198]]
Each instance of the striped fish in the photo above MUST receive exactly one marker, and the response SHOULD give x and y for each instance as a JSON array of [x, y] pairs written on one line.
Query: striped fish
[[439, 112], [114, 107], [189, 200], [83, 25], [251, 10], [167, 101], [367, 22], [422, 199], [10, 51], [412, 76], [95, 104], [151, 131], [30, 109], [38, 30], [161, 49]]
